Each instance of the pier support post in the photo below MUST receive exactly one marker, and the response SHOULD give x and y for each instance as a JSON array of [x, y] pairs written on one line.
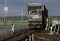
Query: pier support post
[[26, 39], [32, 37], [58, 28]]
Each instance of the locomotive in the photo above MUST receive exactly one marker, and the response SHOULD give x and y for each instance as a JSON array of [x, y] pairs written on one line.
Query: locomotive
[[37, 16]]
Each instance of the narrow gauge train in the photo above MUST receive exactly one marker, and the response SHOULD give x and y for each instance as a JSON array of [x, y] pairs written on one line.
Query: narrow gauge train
[[37, 16]]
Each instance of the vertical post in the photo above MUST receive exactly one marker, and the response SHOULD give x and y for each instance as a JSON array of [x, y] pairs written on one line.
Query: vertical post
[[58, 27], [22, 20], [49, 23], [52, 24], [6, 22], [51, 27], [18, 23], [6, 11], [46, 25], [6, 30], [12, 27], [12, 19], [5, 2], [26, 39], [32, 37], [55, 26]]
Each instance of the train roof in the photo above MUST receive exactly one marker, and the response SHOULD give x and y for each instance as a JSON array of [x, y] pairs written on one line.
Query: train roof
[[35, 4]]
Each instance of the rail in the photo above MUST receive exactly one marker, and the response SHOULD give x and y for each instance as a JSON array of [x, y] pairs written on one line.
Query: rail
[[18, 37]]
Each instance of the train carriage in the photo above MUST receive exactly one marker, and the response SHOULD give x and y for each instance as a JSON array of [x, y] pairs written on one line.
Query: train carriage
[[37, 15]]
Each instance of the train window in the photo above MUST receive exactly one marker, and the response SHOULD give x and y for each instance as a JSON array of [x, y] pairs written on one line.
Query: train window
[[32, 11]]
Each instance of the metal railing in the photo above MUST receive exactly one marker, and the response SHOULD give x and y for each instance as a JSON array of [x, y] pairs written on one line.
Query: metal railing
[[53, 25], [6, 30]]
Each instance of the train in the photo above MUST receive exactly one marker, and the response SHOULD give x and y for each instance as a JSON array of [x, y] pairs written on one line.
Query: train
[[37, 16]]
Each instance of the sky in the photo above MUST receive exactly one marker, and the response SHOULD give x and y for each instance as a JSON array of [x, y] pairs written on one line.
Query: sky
[[16, 7]]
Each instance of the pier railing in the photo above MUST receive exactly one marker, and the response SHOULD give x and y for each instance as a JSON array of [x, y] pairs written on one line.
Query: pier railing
[[53, 25]]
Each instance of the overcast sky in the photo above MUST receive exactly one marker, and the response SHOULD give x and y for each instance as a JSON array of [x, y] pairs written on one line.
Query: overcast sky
[[16, 7]]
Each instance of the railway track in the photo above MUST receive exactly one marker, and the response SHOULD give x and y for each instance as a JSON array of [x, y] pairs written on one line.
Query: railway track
[[20, 36], [46, 37], [38, 36]]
